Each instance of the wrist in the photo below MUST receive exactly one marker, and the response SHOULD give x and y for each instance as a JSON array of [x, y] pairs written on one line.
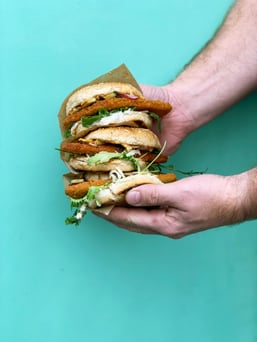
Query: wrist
[[179, 106], [249, 200], [244, 201], [193, 95]]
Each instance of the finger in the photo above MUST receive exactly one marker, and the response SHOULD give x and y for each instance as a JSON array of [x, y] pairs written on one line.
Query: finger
[[138, 218], [148, 91], [151, 195], [116, 218], [153, 221]]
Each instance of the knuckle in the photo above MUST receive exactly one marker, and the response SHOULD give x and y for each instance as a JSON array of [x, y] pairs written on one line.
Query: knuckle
[[171, 227]]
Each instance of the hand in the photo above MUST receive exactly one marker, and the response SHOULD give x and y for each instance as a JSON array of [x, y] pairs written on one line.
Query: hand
[[184, 207], [176, 125]]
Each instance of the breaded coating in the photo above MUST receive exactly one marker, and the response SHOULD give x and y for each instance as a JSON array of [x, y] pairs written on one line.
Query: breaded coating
[[148, 157], [167, 177], [83, 148], [79, 190], [158, 107]]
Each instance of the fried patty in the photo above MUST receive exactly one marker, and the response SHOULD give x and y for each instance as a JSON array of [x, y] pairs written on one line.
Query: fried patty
[[79, 190], [83, 148], [158, 107]]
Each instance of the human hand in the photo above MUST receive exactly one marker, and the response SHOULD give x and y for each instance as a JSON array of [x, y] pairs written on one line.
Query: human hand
[[177, 124], [184, 207]]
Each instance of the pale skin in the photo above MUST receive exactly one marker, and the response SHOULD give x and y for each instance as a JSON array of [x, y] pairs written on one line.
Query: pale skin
[[219, 76]]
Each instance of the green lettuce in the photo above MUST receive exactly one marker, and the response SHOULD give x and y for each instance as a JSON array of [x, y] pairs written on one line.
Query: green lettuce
[[104, 157]]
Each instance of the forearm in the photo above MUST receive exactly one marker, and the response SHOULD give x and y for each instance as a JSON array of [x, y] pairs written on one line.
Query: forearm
[[224, 71]]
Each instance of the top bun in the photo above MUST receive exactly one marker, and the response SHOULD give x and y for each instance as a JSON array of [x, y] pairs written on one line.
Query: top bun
[[88, 92]]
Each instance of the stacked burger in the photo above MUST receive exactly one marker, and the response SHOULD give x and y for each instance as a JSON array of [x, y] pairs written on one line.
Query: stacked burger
[[108, 145]]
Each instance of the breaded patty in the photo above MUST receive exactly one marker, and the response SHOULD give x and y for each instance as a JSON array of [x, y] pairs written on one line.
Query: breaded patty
[[158, 107], [79, 190], [83, 148]]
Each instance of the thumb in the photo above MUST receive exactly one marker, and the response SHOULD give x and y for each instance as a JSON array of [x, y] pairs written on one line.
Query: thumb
[[153, 92], [150, 195], [148, 91]]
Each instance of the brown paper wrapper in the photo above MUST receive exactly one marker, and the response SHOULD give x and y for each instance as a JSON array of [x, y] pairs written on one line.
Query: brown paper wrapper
[[119, 74]]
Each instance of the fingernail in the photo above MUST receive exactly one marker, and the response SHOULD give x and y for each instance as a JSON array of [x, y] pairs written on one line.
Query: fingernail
[[133, 197]]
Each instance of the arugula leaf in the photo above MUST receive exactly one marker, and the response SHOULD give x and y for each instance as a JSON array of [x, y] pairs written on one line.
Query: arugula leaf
[[93, 190], [148, 167], [154, 168], [89, 120], [67, 133], [132, 159], [187, 173], [103, 112], [122, 109], [72, 220]]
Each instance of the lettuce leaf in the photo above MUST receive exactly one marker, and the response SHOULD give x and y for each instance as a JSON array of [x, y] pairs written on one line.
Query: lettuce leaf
[[104, 157]]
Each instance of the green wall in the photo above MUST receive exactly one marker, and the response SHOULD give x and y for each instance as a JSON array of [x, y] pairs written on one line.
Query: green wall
[[96, 282]]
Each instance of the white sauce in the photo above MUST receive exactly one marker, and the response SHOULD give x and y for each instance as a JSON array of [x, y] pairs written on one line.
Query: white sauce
[[116, 174], [114, 119]]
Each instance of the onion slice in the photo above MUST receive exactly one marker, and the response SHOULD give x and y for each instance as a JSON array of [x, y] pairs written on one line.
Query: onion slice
[[129, 96]]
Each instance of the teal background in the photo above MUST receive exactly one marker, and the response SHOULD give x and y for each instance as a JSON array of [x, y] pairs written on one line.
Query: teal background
[[97, 282]]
